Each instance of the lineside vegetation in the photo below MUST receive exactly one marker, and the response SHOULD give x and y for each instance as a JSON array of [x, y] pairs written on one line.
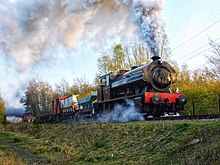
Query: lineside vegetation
[[2, 111], [201, 86], [122, 143]]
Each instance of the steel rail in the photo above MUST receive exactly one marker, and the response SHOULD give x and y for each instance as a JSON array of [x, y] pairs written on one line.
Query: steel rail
[[184, 117]]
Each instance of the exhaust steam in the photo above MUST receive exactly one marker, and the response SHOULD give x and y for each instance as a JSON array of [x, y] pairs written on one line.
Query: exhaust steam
[[123, 113]]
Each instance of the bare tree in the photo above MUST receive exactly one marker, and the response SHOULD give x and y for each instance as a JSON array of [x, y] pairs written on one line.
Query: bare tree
[[81, 86], [62, 88], [38, 97], [123, 57], [214, 59]]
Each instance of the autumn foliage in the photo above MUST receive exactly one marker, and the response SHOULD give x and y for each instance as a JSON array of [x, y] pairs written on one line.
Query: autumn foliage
[[201, 89], [202, 86], [2, 110]]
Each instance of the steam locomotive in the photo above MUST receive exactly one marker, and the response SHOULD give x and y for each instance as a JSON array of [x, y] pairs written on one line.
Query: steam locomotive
[[147, 85]]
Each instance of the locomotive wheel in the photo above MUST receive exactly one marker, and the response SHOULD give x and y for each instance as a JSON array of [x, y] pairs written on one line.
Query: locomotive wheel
[[157, 112]]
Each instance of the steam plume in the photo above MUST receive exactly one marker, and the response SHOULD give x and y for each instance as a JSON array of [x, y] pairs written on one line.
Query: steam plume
[[122, 113], [31, 29]]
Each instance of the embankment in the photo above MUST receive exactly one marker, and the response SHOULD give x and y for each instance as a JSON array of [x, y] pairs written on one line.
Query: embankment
[[122, 143]]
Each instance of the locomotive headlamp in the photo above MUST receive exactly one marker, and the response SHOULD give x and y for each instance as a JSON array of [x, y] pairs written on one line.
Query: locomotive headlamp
[[182, 100], [156, 99]]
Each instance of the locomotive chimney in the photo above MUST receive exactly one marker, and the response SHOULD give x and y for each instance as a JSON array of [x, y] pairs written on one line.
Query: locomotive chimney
[[155, 58]]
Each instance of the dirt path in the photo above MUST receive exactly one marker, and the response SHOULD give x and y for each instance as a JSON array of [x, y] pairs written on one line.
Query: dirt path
[[26, 155]]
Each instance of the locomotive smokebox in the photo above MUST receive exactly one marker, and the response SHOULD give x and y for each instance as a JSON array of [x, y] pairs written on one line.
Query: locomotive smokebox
[[159, 74]]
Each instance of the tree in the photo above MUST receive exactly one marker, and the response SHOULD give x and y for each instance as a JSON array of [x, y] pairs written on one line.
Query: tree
[[81, 86], [2, 109], [123, 57], [165, 49], [214, 59], [201, 88], [38, 97], [62, 88]]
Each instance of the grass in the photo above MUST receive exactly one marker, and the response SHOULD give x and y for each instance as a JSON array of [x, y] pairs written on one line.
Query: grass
[[7, 156], [122, 143]]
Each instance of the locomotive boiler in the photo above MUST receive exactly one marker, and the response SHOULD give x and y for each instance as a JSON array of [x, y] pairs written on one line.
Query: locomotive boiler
[[148, 85]]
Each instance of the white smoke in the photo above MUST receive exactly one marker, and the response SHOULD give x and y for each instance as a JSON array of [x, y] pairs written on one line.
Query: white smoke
[[13, 83], [146, 16], [126, 112], [123, 113], [29, 29]]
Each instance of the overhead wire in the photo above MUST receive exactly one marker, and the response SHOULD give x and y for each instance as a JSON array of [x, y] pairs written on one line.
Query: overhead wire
[[183, 43], [181, 58], [199, 32], [195, 55]]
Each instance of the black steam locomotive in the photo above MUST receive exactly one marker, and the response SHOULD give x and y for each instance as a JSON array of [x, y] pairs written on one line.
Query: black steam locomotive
[[148, 86]]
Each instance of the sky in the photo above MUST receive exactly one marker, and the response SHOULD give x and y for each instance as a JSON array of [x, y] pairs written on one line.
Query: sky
[[190, 24], [54, 40]]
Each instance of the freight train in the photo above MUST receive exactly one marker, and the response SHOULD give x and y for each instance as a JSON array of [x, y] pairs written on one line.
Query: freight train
[[147, 85]]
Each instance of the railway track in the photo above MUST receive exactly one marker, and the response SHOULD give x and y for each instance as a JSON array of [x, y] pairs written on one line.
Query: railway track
[[212, 117], [68, 118], [185, 117]]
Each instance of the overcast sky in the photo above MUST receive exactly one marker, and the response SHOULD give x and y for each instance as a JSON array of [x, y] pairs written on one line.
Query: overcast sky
[[73, 44]]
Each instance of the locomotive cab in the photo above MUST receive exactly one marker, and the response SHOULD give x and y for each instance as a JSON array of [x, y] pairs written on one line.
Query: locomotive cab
[[104, 89]]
